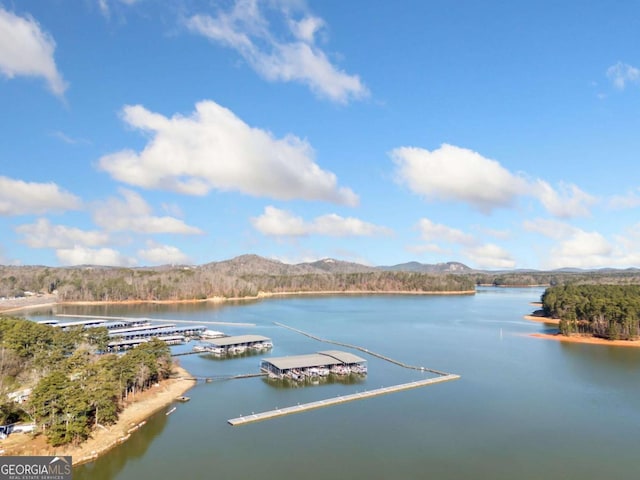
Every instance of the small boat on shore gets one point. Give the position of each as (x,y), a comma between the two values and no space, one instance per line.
(182,398)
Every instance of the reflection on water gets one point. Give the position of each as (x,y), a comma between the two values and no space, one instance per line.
(108,467)
(524,408)
(351,379)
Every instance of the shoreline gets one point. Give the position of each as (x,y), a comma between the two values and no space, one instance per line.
(102,440)
(584,339)
(542,319)
(587,340)
(221,300)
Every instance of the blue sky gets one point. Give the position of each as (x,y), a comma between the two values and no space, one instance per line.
(498,134)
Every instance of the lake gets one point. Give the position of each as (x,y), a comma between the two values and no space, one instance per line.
(524,408)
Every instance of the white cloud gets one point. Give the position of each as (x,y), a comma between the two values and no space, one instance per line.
(276,222)
(569,202)
(43,234)
(437,232)
(337,226)
(306,28)
(583,244)
(550,228)
(103,5)
(88,256)
(134,214)
(69,140)
(22,198)
(622,73)
(583,250)
(245,29)
(499,234)
(452,173)
(630,200)
(215,149)
(156,254)
(577,248)
(25,49)
(490,256)
(426,248)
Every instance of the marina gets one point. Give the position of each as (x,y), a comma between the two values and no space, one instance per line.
(320,364)
(279,412)
(232,345)
(517,398)
(148,319)
(131,332)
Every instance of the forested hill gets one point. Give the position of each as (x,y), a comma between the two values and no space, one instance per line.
(243,276)
(607,311)
(247,275)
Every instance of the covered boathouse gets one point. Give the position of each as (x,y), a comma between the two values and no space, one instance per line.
(320,363)
(237,344)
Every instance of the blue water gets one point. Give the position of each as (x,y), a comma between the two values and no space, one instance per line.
(525,408)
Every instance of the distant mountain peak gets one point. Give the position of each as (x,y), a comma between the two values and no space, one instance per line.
(445,267)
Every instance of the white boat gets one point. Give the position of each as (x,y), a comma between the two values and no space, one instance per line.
(212,334)
(359,369)
(340,370)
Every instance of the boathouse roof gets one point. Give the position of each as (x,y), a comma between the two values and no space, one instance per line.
(320,359)
(236,340)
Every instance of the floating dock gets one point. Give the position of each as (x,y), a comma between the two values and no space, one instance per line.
(298,367)
(234,344)
(111,317)
(257,417)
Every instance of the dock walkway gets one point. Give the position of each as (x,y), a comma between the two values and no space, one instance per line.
(279,412)
(362,349)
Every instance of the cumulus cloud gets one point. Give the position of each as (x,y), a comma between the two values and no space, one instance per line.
(426,248)
(133,214)
(43,234)
(442,239)
(27,50)
(630,200)
(22,198)
(452,173)
(490,256)
(622,74)
(437,232)
(457,174)
(215,149)
(156,254)
(582,250)
(296,58)
(549,228)
(80,255)
(277,222)
(578,248)
(569,202)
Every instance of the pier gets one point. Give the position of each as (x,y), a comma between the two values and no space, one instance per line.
(362,349)
(279,412)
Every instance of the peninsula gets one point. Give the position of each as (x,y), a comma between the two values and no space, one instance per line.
(595,314)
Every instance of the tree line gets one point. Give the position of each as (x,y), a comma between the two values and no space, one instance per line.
(182,283)
(74,388)
(606,311)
